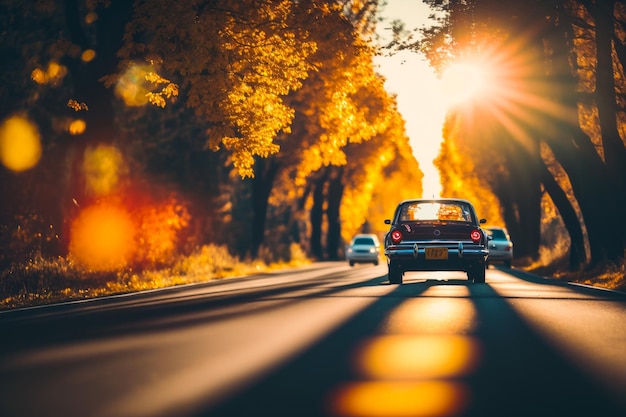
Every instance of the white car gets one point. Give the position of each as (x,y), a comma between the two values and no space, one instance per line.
(364,248)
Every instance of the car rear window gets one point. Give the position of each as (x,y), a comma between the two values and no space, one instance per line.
(435,211)
(364,241)
(498,234)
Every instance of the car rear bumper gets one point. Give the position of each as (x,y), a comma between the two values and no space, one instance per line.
(460,256)
(499,256)
(362,257)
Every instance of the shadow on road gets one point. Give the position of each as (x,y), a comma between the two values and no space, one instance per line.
(430,348)
(426,348)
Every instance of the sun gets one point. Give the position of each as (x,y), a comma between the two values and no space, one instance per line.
(461,82)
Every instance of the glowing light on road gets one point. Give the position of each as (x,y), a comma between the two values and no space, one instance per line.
(415,368)
(434,315)
(20,144)
(428,356)
(400,399)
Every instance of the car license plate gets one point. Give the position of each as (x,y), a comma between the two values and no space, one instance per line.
(436,253)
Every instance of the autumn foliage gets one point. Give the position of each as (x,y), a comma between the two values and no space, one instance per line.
(160,129)
(544,142)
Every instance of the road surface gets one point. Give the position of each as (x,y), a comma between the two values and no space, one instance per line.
(326,340)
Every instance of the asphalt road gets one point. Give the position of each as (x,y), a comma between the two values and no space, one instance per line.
(327,340)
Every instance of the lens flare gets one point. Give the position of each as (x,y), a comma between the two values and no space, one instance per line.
(20,144)
(463,81)
(102,237)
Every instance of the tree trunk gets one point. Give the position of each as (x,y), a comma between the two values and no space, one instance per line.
(606,100)
(614,150)
(264,174)
(519,193)
(577,253)
(335,193)
(317,215)
(101,126)
(590,179)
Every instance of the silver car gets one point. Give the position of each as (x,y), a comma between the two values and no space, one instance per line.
(500,246)
(364,248)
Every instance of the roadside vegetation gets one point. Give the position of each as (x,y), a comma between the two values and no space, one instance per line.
(610,276)
(42,281)
(142,142)
(539,144)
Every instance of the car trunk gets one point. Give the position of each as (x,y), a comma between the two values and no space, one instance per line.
(436,231)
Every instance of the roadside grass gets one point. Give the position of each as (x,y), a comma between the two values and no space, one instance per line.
(611,276)
(45,281)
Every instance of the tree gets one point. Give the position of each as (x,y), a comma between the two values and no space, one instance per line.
(277,89)
(234,61)
(541,69)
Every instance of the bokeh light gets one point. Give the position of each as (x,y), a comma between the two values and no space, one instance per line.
(88,55)
(102,237)
(53,74)
(20,144)
(160,226)
(77,127)
(132,86)
(103,167)
(91,17)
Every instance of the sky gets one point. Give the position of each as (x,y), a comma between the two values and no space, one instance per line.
(418,90)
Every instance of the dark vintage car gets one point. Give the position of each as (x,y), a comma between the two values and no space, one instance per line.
(441,234)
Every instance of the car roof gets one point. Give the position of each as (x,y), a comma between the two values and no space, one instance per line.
(436,200)
(365,235)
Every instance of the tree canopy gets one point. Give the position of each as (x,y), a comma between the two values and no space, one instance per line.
(187,123)
(549,130)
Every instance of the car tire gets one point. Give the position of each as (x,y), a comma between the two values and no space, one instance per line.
(478,274)
(351,263)
(395,274)
(375,263)
(507,263)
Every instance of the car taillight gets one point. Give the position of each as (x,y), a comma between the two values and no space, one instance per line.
(476,236)
(396,236)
